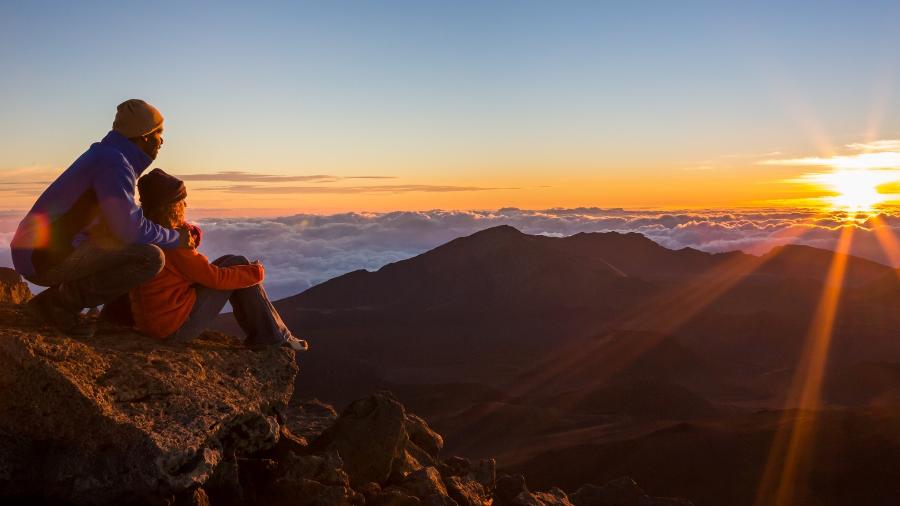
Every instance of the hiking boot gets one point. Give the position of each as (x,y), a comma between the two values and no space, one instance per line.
(296,344)
(46,309)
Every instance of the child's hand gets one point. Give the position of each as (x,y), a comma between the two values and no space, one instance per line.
(186,238)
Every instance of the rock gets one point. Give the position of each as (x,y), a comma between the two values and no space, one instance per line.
(372,437)
(199,498)
(124,418)
(462,484)
(621,492)
(466,491)
(423,483)
(422,436)
(486,473)
(287,443)
(512,491)
(309,417)
(369,490)
(553,497)
(312,480)
(455,466)
(508,488)
(195,497)
(12,289)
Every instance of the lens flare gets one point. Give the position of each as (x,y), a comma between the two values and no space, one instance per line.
(856,189)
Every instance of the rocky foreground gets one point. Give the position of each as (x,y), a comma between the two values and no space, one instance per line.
(124,419)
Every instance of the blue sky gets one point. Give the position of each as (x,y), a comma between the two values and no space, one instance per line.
(543,103)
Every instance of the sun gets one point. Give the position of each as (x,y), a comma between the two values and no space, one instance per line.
(856,189)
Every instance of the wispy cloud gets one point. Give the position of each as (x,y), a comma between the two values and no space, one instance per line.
(876,155)
(882,145)
(727,161)
(870,161)
(407,188)
(252,177)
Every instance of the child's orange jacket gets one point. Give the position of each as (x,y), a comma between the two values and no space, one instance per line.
(161,305)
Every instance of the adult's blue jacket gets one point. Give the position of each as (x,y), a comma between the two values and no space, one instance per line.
(95,191)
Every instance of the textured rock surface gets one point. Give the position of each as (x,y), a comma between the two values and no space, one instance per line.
(12,289)
(123,416)
(423,483)
(309,417)
(373,437)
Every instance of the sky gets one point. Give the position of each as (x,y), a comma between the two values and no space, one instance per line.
(332,107)
(324,137)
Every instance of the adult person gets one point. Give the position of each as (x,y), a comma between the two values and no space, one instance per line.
(183,299)
(85,238)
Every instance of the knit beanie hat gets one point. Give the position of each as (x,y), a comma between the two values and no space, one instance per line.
(159,188)
(135,118)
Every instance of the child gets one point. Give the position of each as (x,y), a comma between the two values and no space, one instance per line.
(184,298)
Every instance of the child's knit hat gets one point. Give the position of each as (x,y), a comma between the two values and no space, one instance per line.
(159,188)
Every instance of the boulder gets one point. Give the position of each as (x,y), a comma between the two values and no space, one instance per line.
(512,491)
(485,472)
(464,482)
(12,289)
(309,417)
(422,436)
(466,491)
(423,483)
(552,497)
(312,480)
(124,418)
(372,436)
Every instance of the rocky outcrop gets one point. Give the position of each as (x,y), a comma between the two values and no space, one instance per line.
(378,440)
(512,491)
(12,289)
(124,419)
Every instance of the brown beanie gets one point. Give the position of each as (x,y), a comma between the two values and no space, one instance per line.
(135,118)
(160,188)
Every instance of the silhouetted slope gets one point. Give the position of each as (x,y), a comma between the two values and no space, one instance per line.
(863,384)
(636,255)
(798,261)
(721,462)
(498,269)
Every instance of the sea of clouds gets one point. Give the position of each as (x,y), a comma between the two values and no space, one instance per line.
(302,250)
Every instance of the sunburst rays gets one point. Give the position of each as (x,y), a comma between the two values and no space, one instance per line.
(783,477)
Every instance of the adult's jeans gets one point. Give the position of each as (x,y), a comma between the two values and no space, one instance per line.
(253,311)
(97,273)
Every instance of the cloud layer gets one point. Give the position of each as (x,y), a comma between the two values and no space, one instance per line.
(303,250)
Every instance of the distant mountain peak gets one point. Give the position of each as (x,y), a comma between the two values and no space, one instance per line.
(499,230)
